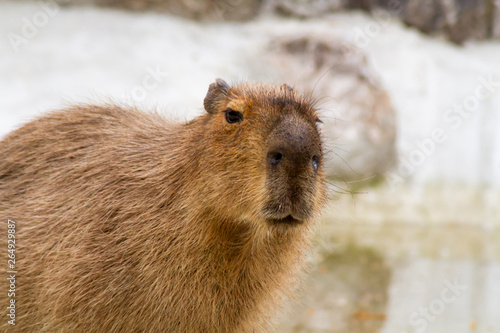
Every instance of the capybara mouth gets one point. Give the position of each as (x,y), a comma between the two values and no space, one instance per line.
(286,212)
(289,219)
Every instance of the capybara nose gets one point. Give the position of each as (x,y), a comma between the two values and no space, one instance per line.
(294,147)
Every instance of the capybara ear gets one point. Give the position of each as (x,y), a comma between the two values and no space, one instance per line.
(217,92)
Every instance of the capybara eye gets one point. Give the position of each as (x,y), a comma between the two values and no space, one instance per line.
(315,162)
(233,116)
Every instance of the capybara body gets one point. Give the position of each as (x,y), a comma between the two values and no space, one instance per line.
(127,222)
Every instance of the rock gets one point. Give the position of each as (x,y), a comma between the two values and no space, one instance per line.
(496,20)
(205,10)
(358,120)
(456,20)
(302,8)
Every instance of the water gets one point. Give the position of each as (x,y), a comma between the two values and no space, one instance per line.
(378,272)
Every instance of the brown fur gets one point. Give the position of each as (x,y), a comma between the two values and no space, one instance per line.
(127,222)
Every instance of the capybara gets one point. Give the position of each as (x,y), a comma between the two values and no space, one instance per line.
(128,222)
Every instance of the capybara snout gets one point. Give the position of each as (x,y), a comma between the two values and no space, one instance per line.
(294,159)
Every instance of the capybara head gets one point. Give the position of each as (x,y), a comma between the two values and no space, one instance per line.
(265,146)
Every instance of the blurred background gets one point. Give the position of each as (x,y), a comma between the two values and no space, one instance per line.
(409,93)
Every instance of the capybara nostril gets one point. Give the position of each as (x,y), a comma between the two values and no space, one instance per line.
(274,158)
